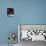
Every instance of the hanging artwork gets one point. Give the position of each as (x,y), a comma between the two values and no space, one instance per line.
(10,11)
(11,37)
(32,32)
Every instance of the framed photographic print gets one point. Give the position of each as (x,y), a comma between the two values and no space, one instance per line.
(33,32)
(10,11)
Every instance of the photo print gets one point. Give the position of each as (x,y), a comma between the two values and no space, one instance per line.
(10,11)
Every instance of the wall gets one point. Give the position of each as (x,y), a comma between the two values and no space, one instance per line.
(26,12)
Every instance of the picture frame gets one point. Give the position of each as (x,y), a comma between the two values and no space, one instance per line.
(10,11)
